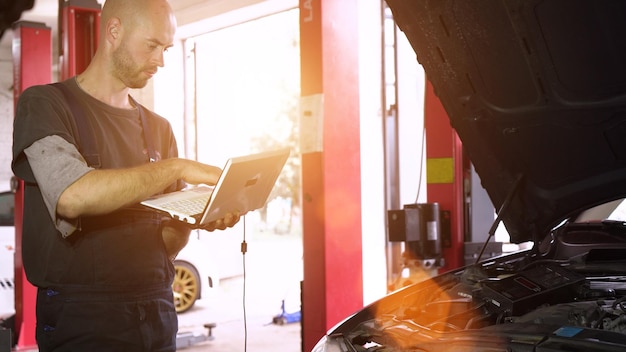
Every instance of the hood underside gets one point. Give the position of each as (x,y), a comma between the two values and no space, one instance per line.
(536,90)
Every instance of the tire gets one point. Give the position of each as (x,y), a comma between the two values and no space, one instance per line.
(186,286)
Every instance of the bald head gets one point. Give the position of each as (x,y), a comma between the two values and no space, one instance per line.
(134,35)
(137,13)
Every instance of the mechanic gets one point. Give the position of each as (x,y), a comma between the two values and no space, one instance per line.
(102,263)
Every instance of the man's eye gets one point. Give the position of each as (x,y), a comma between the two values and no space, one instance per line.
(152,46)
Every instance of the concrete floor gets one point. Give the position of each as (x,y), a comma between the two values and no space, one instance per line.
(273,273)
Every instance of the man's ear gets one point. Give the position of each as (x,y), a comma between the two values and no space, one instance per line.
(113,30)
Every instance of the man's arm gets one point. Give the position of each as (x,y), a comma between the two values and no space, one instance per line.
(103,191)
(64,173)
(71,189)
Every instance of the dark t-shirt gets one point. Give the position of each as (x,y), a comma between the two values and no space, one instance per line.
(122,249)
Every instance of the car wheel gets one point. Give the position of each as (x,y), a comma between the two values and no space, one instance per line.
(186,286)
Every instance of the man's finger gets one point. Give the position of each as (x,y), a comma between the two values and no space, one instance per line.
(219,224)
(231,219)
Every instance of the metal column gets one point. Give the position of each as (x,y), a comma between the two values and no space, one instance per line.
(79,23)
(445,173)
(389,95)
(32,65)
(330,143)
(79,31)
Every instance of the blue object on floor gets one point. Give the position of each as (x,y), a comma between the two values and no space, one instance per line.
(286,318)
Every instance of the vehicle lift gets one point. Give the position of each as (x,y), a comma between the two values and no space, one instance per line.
(79,31)
(32,65)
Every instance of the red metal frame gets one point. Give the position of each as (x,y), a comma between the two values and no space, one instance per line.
(443,143)
(331,188)
(32,56)
(79,32)
(32,65)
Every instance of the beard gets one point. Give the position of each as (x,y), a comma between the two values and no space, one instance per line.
(127,70)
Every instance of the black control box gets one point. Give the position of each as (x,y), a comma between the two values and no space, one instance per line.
(537,286)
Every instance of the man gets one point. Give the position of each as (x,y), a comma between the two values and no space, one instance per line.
(101,262)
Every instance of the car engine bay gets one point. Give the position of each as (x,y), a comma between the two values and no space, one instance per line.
(544,299)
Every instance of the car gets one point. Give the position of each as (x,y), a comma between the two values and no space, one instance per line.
(195,273)
(208,258)
(7,251)
(536,91)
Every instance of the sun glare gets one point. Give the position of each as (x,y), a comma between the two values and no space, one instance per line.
(247,85)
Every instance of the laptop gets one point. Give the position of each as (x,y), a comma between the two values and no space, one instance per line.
(244,185)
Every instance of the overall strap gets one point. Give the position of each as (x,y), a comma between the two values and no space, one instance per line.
(86,139)
(146,132)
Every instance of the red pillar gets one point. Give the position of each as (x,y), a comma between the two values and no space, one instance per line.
(32,61)
(331,189)
(445,175)
(32,65)
(79,32)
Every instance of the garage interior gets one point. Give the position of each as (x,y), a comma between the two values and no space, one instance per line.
(373,156)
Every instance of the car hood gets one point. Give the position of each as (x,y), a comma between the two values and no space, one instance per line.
(536,91)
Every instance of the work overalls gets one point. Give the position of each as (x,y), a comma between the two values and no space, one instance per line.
(119,298)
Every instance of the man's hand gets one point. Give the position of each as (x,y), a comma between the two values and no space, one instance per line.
(228,221)
(176,234)
(175,237)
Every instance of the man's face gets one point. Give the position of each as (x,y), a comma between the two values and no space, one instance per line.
(141,50)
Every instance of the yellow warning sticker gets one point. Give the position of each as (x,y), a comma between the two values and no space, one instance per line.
(439,170)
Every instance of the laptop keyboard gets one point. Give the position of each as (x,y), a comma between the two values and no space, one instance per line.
(193,206)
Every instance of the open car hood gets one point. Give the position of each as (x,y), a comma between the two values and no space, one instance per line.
(536,90)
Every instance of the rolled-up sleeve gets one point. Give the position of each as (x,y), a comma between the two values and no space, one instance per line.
(56,164)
